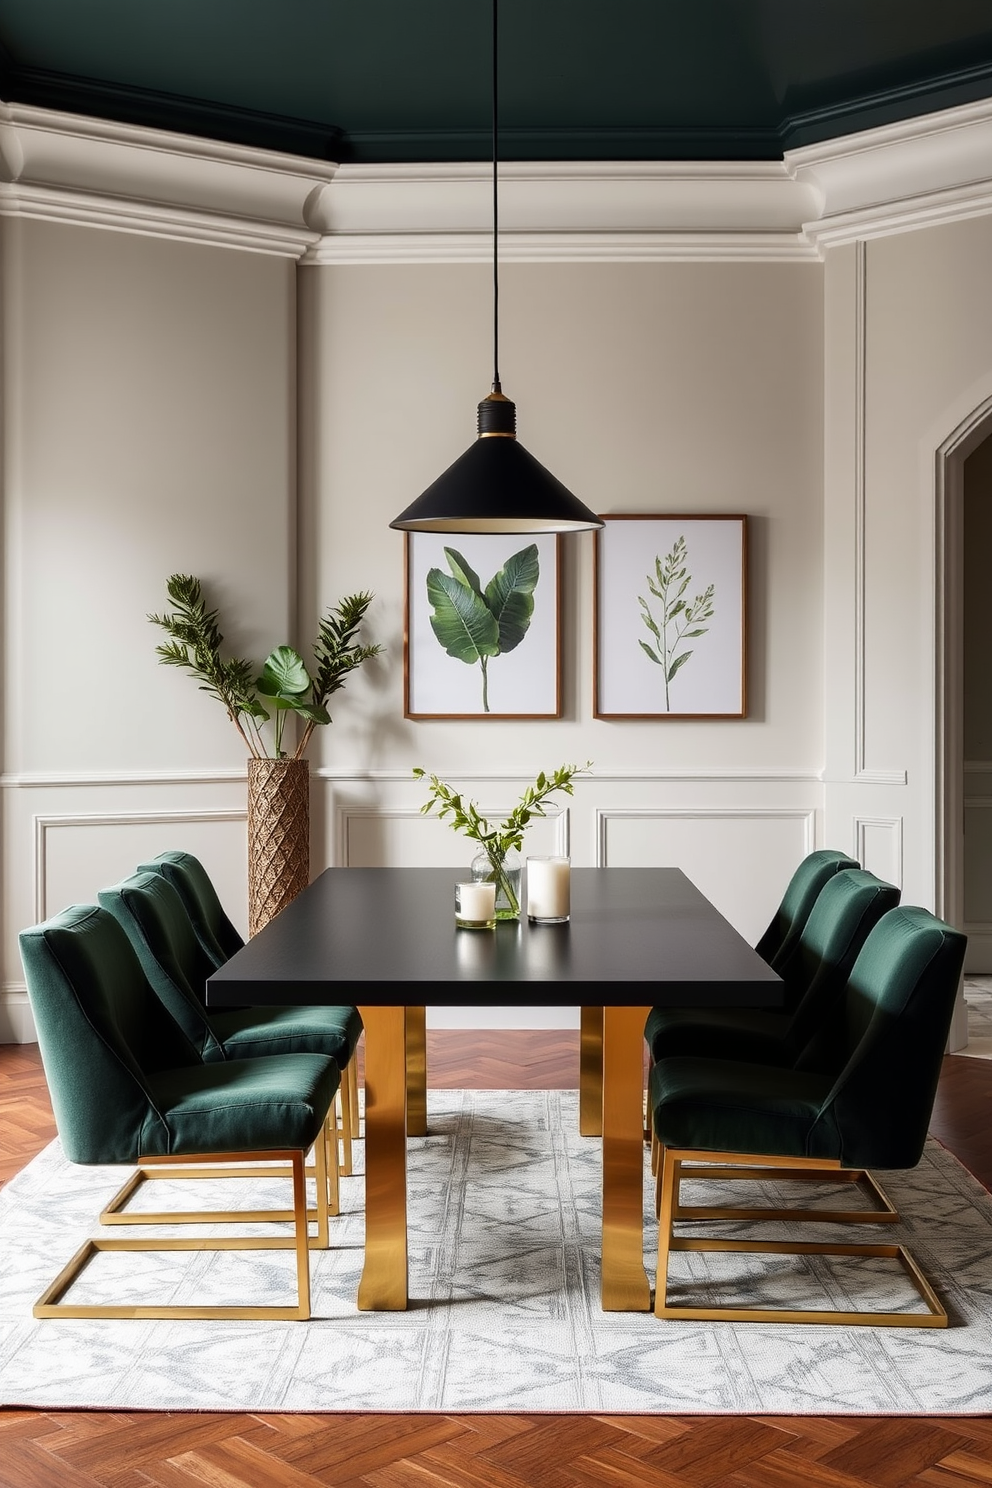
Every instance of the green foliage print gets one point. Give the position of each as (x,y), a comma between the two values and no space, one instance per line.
(680,618)
(474,624)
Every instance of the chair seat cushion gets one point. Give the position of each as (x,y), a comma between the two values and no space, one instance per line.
(242,1105)
(246,1033)
(719,1033)
(726,1105)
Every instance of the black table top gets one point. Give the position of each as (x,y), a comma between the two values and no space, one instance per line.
(388,935)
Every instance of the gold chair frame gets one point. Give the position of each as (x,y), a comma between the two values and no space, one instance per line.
(880,1208)
(50,1305)
(115,1212)
(677,1163)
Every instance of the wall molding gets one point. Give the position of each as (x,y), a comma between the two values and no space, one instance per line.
(44,824)
(860,564)
(563,246)
(16,1020)
(757,776)
(893,824)
(346,814)
(920,172)
(863,775)
(73,779)
(62,167)
(604,815)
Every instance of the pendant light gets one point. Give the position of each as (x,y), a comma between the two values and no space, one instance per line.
(496,486)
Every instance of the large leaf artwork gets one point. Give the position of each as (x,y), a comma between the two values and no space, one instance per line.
(474,624)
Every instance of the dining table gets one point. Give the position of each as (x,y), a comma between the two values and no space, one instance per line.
(385,940)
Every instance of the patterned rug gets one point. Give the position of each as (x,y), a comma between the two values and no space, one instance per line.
(504,1279)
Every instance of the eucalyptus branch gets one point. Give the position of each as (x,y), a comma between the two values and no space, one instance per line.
(509,833)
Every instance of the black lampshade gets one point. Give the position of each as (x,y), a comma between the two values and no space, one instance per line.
(497,486)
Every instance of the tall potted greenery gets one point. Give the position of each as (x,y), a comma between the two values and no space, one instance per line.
(278,781)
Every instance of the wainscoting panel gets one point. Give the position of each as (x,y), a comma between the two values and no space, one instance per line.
(740,858)
(375,837)
(878,846)
(65,840)
(75,852)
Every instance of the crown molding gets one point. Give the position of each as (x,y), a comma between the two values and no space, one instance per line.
(930,170)
(561,247)
(562,211)
(67,168)
(131,178)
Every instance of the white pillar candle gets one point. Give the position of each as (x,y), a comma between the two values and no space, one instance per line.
(475,904)
(548,884)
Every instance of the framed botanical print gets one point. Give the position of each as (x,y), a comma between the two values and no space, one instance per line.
(483,621)
(670,600)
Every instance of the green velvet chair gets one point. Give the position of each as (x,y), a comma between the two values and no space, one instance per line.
(847,908)
(815,972)
(155,920)
(779,946)
(217,936)
(859,1095)
(218,940)
(803,890)
(127,1086)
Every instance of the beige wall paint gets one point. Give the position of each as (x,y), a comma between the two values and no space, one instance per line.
(150,429)
(655,388)
(908,357)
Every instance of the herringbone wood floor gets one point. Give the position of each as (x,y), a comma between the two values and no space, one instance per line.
(82,1449)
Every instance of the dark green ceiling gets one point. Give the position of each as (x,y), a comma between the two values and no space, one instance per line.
(388,80)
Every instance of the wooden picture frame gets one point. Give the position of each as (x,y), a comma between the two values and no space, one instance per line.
(522,679)
(670,603)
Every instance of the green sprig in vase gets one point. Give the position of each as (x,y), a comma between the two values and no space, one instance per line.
(498,860)
(504,869)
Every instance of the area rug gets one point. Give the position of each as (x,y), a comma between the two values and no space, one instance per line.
(504,1280)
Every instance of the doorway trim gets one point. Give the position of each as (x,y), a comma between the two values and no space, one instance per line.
(948,743)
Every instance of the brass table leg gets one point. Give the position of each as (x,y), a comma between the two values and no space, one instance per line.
(383,1286)
(416,1071)
(625,1283)
(591,1072)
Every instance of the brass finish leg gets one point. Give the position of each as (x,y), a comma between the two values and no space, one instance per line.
(416,1071)
(353,1096)
(591,1072)
(347,1128)
(625,1283)
(332,1184)
(384,1279)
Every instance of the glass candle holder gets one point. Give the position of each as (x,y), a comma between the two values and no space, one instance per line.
(548,891)
(475,906)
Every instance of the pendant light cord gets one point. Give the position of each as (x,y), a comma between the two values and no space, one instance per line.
(496,382)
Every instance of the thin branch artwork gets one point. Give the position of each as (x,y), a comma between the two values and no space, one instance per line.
(670,643)
(680,617)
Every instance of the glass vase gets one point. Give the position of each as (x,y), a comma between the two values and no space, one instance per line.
(502,869)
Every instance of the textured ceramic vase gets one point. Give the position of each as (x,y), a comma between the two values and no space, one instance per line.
(278,836)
